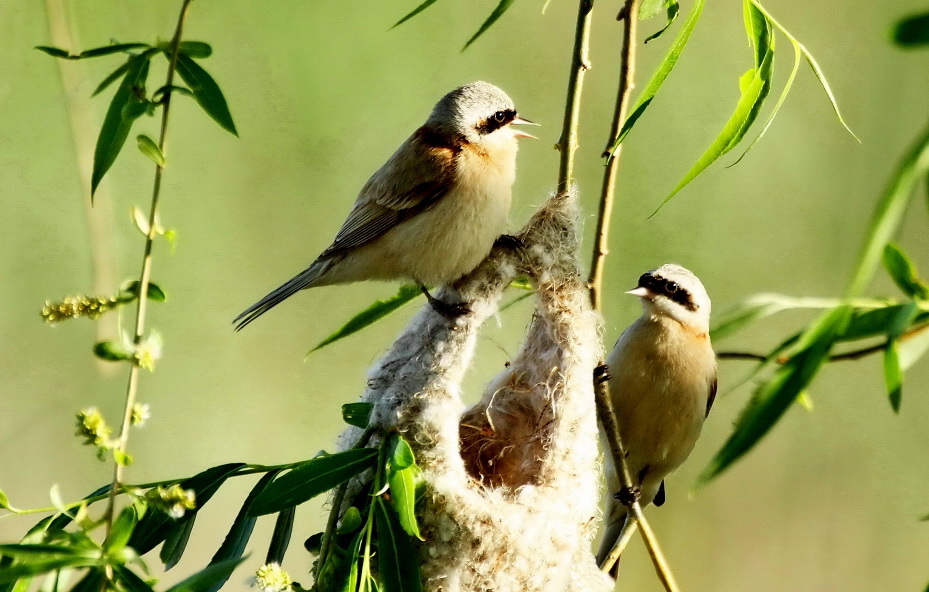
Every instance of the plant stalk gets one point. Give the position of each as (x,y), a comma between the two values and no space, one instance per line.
(146,273)
(580,63)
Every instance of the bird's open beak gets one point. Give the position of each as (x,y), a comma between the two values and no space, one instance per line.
(519,133)
(640,292)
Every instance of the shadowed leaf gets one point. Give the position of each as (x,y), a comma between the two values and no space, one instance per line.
(176,542)
(370,315)
(398,564)
(206,92)
(54,51)
(129,580)
(205,579)
(115,75)
(195,49)
(110,49)
(903,272)
(280,538)
(912,31)
(414,12)
(501,8)
(673,9)
(357,414)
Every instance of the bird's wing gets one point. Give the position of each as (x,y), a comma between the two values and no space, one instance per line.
(712,396)
(418,174)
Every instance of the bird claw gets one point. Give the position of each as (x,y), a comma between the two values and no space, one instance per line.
(601,374)
(511,242)
(628,495)
(450,310)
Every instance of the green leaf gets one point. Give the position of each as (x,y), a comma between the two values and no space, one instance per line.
(5,503)
(357,414)
(760,306)
(111,49)
(155,527)
(913,346)
(354,553)
(912,31)
(403,484)
(311,478)
(400,455)
(754,87)
(370,315)
(351,520)
(903,272)
(206,91)
(893,374)
(820,76)
(415,11)
(205,579)
(398,566)
(121,458)
(92,582)
(501,8)
(54,51)
(115,128)
(233,546)
(672,10)
(14,572)
(195,49)
(122,529)
(660,75)
(149,148)
(650,8)
(176,542)
(112,351)
(130,290)
(129,580)
(889,213)
(773,398)
(34,551)
(280,538)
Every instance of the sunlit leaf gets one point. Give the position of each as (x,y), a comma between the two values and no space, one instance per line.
(149,148)
(357,414)
(354,552)
(893,374)
(122,529)
(400,455)
(18,570)
(774,397)
(660,75)
(115,128)
(501,8)
(903,272)
(280,538)
(206,91)
(370,315)
(5,502)
(672,10)
(912,31)
(205,579)
(398,564)
(112,351)
(415,11)
(309,479)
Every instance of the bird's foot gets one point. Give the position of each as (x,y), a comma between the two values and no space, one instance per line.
(449,310)
(511,242)
(601,374)
(628,495)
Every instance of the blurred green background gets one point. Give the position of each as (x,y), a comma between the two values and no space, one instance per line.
(322,93)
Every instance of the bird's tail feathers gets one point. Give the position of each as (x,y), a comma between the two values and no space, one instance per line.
(305,279)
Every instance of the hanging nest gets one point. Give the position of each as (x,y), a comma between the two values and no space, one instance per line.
(513,483)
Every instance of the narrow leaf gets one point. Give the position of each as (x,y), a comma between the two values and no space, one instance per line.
(121,530)
(115,128)
(903,272)
(54,51)
(398,566)
(195,49)
(415,11)
(280,538)
(357,414)
(673,9)
(156,525)
(33,551)
(660,75)
(893,374)
(913,346)
(118,72)
(400,455)
(204,580)
(176,542)
(206,91)
(403,494)
(129,580)
(773,398)
(371,315)
(11,573)
(111,49)
(149,148)
(354,553)
(233,546)
(501,8)
(311,478)
(5,502)
(112,351)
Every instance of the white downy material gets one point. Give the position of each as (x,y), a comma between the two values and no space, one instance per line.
(512,483)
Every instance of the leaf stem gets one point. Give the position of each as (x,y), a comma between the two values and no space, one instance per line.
(629,16)
(580,63)
(146,273)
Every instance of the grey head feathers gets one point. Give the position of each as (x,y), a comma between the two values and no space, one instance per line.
(472,111)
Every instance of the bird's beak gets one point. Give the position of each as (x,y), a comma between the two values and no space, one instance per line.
(519,133)
(640,292)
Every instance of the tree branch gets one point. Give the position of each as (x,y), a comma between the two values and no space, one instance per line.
(580,63)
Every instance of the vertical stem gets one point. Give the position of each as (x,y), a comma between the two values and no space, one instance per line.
(629,16)
(580,63)
(146,274)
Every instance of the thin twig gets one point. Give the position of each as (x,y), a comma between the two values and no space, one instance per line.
(629,15)
(146,273)
(617,451)
(629,528)
(845,356)
(580,63)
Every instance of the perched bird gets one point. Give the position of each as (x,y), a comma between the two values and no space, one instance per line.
(662,385)
(434,210)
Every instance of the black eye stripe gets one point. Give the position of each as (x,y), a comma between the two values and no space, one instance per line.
(667,288)
(496,121)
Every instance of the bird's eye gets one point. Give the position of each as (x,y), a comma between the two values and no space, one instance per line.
(672,287)
(500,116)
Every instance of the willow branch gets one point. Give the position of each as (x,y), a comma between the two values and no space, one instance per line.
(146,272)
(629,528)
(607,194)
(580,63)
(845,356)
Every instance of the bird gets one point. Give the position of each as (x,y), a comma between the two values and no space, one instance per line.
(662,384)
(434,210)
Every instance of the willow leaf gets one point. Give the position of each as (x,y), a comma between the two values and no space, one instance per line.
(501,8)
(370,315)
(415,11)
